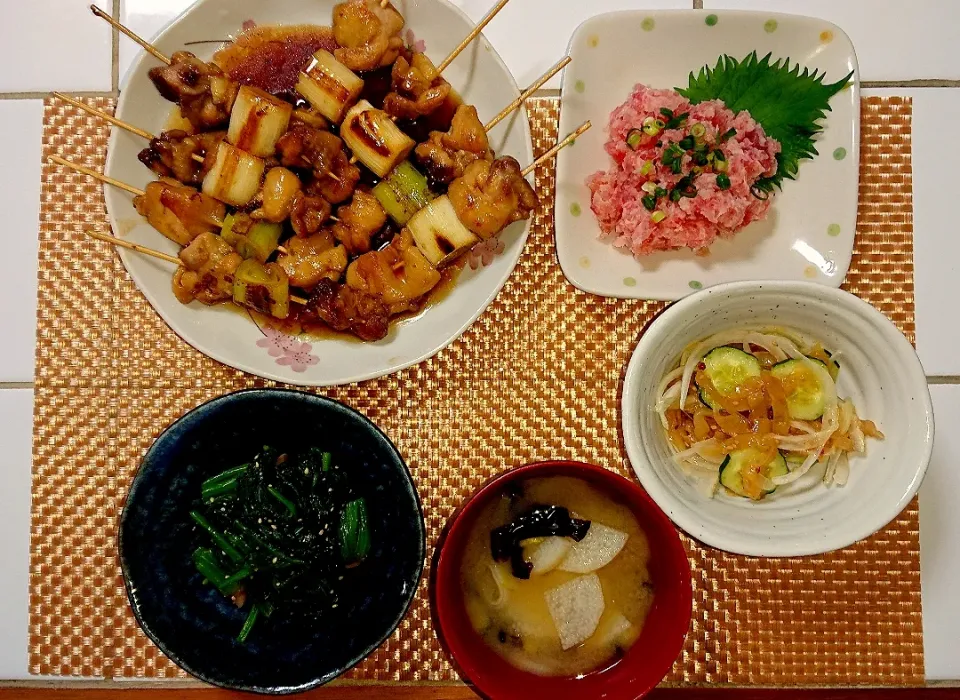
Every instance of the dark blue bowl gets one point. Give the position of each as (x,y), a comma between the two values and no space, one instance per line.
(192,623)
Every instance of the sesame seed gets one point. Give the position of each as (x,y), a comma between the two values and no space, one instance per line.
(274,560)
(259,521)
(306,470)
(273,526)
(334,605)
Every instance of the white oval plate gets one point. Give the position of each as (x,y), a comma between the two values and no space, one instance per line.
(232,338)
(879,370)
(660,49)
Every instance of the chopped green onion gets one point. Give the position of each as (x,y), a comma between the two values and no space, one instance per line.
(718,155)
(676,168)
(676,195)
(686,143)
(729,134)
(634,138)
(283,500)
(677,121)
(647,168)
(658,216)
(649,202)
(699,159)
(649,187)
(651,127)
(668,113)
(723,181)
(660,124)
(720,166)
(660,192)
(698,130)
(249,623)
(216,536)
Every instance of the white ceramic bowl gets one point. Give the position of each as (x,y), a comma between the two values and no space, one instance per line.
(478,74)
(808,233)
(879,371)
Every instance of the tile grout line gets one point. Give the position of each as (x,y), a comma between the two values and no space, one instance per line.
(115,49)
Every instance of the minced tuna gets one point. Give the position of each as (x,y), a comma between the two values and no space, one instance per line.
(682,174)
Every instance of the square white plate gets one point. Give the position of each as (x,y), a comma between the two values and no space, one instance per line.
(807,234)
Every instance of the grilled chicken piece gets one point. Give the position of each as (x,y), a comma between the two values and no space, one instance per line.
(349,310)
(397,275)
(171,154)
(368,35)
(304,146)
(207,269)
(446,154)
(312,259)
(417,88)
(278,196)
(204,93)
(339,188)
(492,195)
(178,211)
(308,214)
(359,222)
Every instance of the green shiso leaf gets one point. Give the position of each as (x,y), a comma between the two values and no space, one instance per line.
(788,104)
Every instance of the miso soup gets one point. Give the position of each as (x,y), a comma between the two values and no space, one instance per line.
(555,576)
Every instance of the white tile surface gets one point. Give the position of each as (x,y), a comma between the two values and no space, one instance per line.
(940,541)
(54,45)
(16,407)
(146,18)
(895,40)
(532,35)
(21,123)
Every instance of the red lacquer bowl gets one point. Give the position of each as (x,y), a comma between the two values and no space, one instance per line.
(645,663)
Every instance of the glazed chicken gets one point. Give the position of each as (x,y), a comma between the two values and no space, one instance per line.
(492,195)
(308,214)
(304,146)
(368,35)
(397,275)
(359,222)
(446,154)
(207,270)
(309,260)
(349,310)
(172,154)
(204,93)
(279,194)
(337,185)
(178,211)
(417,88)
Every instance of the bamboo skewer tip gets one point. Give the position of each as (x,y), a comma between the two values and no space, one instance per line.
(472,35)
(147,46)
(539,83)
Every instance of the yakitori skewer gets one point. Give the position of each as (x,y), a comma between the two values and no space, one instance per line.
(472,35)
(540,82)
(556,149)
(144,250)
(96,176)
(147,46)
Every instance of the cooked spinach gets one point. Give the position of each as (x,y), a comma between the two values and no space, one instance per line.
(280,534)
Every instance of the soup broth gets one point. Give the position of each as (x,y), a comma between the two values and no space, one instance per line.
(512,614)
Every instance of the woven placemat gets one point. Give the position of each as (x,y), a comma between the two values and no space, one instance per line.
(536,377)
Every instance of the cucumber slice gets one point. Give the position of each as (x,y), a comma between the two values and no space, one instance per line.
(806,400)
(728,368)
(730,470)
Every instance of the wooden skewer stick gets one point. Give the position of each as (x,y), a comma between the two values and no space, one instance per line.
(541,81)
(96,176)
(147,46)
(134,246)
(472,35)
(156,254)
(556,149)
(110,119)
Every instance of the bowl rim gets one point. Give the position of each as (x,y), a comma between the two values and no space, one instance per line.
(196,414)
(634,379)
(444,559)
(273,372)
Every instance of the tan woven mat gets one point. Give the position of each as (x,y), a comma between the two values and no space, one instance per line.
(535,377)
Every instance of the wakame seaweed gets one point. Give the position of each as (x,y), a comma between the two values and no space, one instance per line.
(280,535)
(538,521)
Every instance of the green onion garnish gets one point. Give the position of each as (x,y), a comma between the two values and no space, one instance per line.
(729,134)
(668,113)
(698,130)
(634,137)
(686,143)
(649,202)
(658,216)
(647,168)
(723,181)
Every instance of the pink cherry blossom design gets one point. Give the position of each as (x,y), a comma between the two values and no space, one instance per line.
(414,44)
(299,358)
(485,252)
(277,343)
